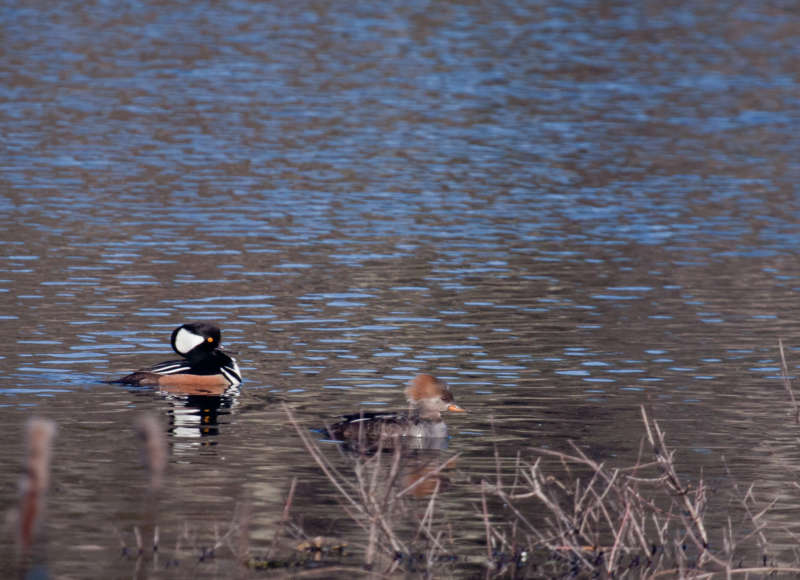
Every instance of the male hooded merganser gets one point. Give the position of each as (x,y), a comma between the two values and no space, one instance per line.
(204,363)
(427,398)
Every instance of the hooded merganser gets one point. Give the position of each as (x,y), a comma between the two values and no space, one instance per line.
(204,363)
(427,398)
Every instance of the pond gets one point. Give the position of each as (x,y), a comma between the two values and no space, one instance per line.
(564,210)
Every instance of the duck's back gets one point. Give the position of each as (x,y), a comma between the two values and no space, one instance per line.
(373,426)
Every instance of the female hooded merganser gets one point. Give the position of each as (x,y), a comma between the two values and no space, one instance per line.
(204,363)
(427,398)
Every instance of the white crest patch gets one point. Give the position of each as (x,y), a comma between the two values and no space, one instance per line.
(186,341)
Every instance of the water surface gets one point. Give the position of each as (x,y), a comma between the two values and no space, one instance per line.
(566,211)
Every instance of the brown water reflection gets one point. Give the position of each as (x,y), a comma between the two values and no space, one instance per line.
(563,211)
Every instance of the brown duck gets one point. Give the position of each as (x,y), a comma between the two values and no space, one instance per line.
(427,398)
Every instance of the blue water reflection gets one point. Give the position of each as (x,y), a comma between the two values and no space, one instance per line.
(563,210)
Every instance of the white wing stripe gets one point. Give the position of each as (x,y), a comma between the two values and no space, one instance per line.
(230,374)
(170,369)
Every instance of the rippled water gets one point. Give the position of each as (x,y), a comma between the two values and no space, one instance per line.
(566,211)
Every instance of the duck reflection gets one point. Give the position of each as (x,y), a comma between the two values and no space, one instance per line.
(194,412)
(197,412)
(396,469)
(424,473)
(414,466)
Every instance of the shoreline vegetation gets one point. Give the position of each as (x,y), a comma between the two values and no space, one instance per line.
(591,519)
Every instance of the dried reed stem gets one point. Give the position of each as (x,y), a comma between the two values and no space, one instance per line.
(154,448)
(34,484)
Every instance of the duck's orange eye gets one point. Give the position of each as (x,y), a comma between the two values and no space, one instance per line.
(210,339)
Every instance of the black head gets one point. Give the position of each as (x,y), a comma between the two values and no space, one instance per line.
(195,338)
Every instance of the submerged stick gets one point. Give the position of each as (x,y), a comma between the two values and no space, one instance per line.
(487,525)
(36,480)
(330,472)
(284,518)
(787,383)
(361,503)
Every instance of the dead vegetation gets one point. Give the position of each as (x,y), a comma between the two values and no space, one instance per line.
(582,519)
(640,521)
(555,515)
(375,496)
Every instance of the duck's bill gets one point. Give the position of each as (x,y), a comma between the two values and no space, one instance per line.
(453,408)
